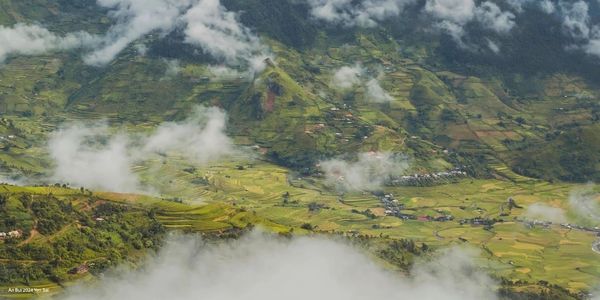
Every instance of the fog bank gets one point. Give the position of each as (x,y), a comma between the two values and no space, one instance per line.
(92,156)
(368,172)
(263,267)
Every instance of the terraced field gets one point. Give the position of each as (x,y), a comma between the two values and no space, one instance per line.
(511,248)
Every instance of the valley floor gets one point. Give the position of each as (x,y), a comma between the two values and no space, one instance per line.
(470,212)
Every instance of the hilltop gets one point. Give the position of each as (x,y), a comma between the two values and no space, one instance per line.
(493,116)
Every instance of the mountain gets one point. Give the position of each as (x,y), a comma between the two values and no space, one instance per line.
(321,109)
(478,104)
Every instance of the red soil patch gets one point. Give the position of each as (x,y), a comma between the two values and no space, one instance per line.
(270,103)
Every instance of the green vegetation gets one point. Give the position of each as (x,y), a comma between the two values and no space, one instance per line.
(522,125)
(61,235)
(270,197)
(286,202)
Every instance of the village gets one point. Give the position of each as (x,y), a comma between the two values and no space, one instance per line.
(548,224)
(428,179)
(394,208)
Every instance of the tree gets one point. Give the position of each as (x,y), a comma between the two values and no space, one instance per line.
(307,226)
(3,201)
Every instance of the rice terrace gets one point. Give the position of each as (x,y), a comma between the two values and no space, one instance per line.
(299,149)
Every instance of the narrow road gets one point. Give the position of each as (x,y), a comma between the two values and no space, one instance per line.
(32,234)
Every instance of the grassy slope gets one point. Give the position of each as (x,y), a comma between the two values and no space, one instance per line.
(253,196)
(60,232)
(511,249)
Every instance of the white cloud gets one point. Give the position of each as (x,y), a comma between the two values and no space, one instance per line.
(369,172)
(134,19)
(517,5)
(12,178)
(218,32)
(586,203)
(200,138)
(492,17)
(25,39)
(577,23)
(547,6)
(206,24)
(347,77)
(172,67)
(141,49)
(225,73)
(576,18)
(453,15)
(268,268)
(541,211)
(593,47)
(456,31)
(363,13)
(375,93)
(456,11)
(92,157)
(89,156)
(493,46)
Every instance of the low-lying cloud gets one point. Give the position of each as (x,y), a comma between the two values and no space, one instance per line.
(363,13)
(205,23)
(133,20)
(577,23)
(11,178)
(347,77)
(217,31)
(172,68)
(455,11)
(369,172)
(544,212)
(268,268)
(94,157)
(89,156)
(585,202)
(200,138)
(375,93)
(31,39)
(454,15)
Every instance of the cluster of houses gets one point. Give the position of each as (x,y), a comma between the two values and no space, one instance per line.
(583,228)
(432,178)
(391,205)
(15,234)
(547,224)
(479,221)
(393,208)
(7,137)
(535,223)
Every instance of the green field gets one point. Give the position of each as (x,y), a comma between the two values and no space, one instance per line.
(512,249)
(234,197)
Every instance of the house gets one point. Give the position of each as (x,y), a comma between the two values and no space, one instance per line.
(14,234)
(81,269)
